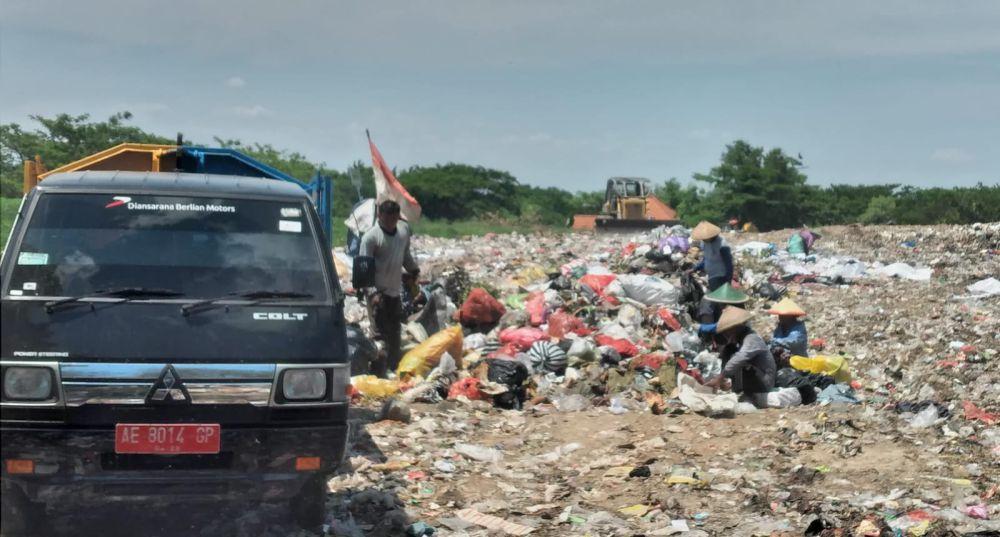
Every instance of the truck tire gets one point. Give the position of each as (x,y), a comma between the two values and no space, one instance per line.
(308,507)
(19,517)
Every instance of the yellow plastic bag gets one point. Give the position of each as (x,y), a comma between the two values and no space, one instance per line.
(420,360)
(529,274)
(834,365)
(372,386)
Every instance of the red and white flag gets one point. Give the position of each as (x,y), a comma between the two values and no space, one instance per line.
(387,187)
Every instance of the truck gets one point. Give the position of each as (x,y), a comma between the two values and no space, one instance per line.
(169,336)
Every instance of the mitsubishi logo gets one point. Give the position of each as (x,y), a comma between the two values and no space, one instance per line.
(168,389)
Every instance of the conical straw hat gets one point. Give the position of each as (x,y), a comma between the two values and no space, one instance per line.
(787,307)
(727,295)
(705,231)
(731,317)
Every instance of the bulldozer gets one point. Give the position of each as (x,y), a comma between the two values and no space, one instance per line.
(629,204)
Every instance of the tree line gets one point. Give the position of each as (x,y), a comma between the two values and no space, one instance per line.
(766,187)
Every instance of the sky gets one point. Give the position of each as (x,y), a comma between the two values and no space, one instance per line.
(559,93)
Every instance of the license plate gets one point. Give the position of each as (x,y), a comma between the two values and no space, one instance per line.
(167,438)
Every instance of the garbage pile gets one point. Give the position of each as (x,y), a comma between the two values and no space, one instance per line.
(523,333)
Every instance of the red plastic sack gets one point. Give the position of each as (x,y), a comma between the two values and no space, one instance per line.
(598,282)
(535,304)
(624,347)
(668,319)
(972,412)
(562,323)
(521,338)
(480,308)
(468,387)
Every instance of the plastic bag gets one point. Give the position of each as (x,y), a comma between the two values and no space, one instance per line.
(598,283)
(649,290)
(833,365)
(925,418)
(480,309)
(535,304)
(581,351)
(372,386)
(796,245)
(703,400)
(361,350)
(547,356)
(624,347)
(630,317)
(419,361)
(512,374)
(562,323)
(668,319)
(521,338)
(784,398)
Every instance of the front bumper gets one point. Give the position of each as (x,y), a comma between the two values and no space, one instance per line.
(253,463)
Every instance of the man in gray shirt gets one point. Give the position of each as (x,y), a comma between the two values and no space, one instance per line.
(388,244)
(747,360)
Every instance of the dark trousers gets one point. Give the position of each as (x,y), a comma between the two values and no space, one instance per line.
(752,384)
(386,318)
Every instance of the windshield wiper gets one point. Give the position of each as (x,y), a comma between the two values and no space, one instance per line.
(124,293)
(253,296)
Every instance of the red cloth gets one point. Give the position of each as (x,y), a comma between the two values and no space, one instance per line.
(480,308)
(623,346)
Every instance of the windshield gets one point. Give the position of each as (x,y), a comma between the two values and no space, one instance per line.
(80,244)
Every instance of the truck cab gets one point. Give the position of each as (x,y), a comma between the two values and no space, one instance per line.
(169,336)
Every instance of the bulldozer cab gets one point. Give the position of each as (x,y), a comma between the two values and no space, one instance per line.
(629,204)
(625,197)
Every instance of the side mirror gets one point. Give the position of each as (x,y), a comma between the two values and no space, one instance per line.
(363,272)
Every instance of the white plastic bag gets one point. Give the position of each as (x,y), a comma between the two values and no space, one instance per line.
(649,290)
(784,398)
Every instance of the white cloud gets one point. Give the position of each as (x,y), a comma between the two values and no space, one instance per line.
(236,82)
(252,111)
(953,155)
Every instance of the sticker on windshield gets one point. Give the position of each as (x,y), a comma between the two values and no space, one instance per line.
(290,226)
(125,201)
(32,258)
(16,292)
(30,286)
(291,212)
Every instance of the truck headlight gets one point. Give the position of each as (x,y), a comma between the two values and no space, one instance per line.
(27,383)
(304,384)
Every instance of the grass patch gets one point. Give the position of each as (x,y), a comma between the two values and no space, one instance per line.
(8,210)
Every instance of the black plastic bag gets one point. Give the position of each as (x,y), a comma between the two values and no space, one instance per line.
(512,374)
